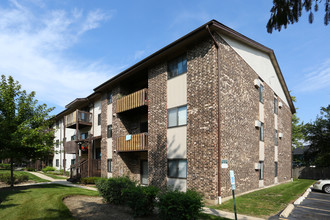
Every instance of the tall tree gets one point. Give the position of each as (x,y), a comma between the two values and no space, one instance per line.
(24,124)
(286,12)
(318,137)
(297,129)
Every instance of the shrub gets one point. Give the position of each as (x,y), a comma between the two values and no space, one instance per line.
(30,169)
(5,166)
(18,178)
(180,205)
(46,169)
(141,199)
(89,180)
(111,189)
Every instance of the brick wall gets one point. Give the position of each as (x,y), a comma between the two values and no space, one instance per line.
(157,125)
(239,108)
(202,115)
(104,124)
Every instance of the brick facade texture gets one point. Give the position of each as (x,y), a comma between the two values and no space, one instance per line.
(157,125)
(104,124)
(202,116)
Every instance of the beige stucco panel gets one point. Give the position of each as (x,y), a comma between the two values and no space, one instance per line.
(177,142)
(261,112)
(177,91)
(261,150)
(97,110)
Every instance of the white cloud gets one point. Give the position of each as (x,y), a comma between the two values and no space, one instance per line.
(317,78)
(33,48)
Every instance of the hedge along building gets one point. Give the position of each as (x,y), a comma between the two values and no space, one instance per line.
(210,100)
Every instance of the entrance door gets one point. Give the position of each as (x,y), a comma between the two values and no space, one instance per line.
(144,172)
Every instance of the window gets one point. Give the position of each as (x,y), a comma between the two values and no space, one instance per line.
(275,105)
(177,116)
(109,132)
(109,97)
(275,169)
(73,161)
(73,137)
(261,132)
(57,162)
(177,66)
(261,170)
(57,143)
(276,142)
(261,97)
(99,119)
(57,124)
(84,136)
(177,168)
(109,165)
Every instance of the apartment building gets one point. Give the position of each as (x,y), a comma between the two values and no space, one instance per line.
(212,101)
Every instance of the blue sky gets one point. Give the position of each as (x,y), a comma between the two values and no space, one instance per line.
(64,49)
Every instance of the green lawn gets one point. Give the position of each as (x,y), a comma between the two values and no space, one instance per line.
(38,202)
(31,176)
(267,202)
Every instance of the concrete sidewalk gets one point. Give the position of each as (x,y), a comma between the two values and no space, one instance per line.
(229,215)
(56,181)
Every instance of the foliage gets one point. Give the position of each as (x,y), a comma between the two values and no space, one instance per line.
(30,169)
(111,189)
(318,136)
(39,202)
(297,129)
(24,124)
(89,180)
(18,177)
(286,12)
(31,176)
(5,166)
(180,205)
(141,199)
(267,202)
(46,169)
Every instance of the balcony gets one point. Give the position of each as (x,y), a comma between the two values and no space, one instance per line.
(131,101)
(70,147)
(134,142)
(78,117)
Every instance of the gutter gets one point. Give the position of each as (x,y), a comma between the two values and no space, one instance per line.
(218,98)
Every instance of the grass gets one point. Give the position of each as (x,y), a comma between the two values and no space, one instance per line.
(204,216)
(38,202)
(267,202)
(31,176)
(55,176)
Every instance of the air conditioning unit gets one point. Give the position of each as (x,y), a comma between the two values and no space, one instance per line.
(257,166)
(280,104)
(257,123)
(280,135)
(257,83)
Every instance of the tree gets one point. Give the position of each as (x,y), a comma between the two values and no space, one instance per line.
(297,129)
(24,124)
(318,136)
(286,12)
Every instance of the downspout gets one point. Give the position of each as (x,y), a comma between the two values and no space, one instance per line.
(218,99)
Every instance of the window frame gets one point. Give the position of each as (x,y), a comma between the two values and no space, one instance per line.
(57,143)
(276,169)
(175,62)
(261,170)
(262,132)
(275,106)
(73,161)
(57,162)
(261,93)
(177,160)
(99,119)
(177,116)
(276,137)
(109,97)
(109,168)
(109,131)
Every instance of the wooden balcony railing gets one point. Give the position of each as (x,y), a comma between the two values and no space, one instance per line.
(131,101)
(70,147)
(134,142)
(78,116)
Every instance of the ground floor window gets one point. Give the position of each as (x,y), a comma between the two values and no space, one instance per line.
(73,161)
(109,165)
(57,162)
(261,170)
(177,168)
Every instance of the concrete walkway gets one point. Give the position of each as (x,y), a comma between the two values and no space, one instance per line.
(57,181)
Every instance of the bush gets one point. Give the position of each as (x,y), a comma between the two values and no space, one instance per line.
(30,169)
(180,205)
(89,180)
(111,189)
(5,166)
(141,199)
(18,178)
(46,169)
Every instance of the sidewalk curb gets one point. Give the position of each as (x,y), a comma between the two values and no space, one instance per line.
(287,211)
